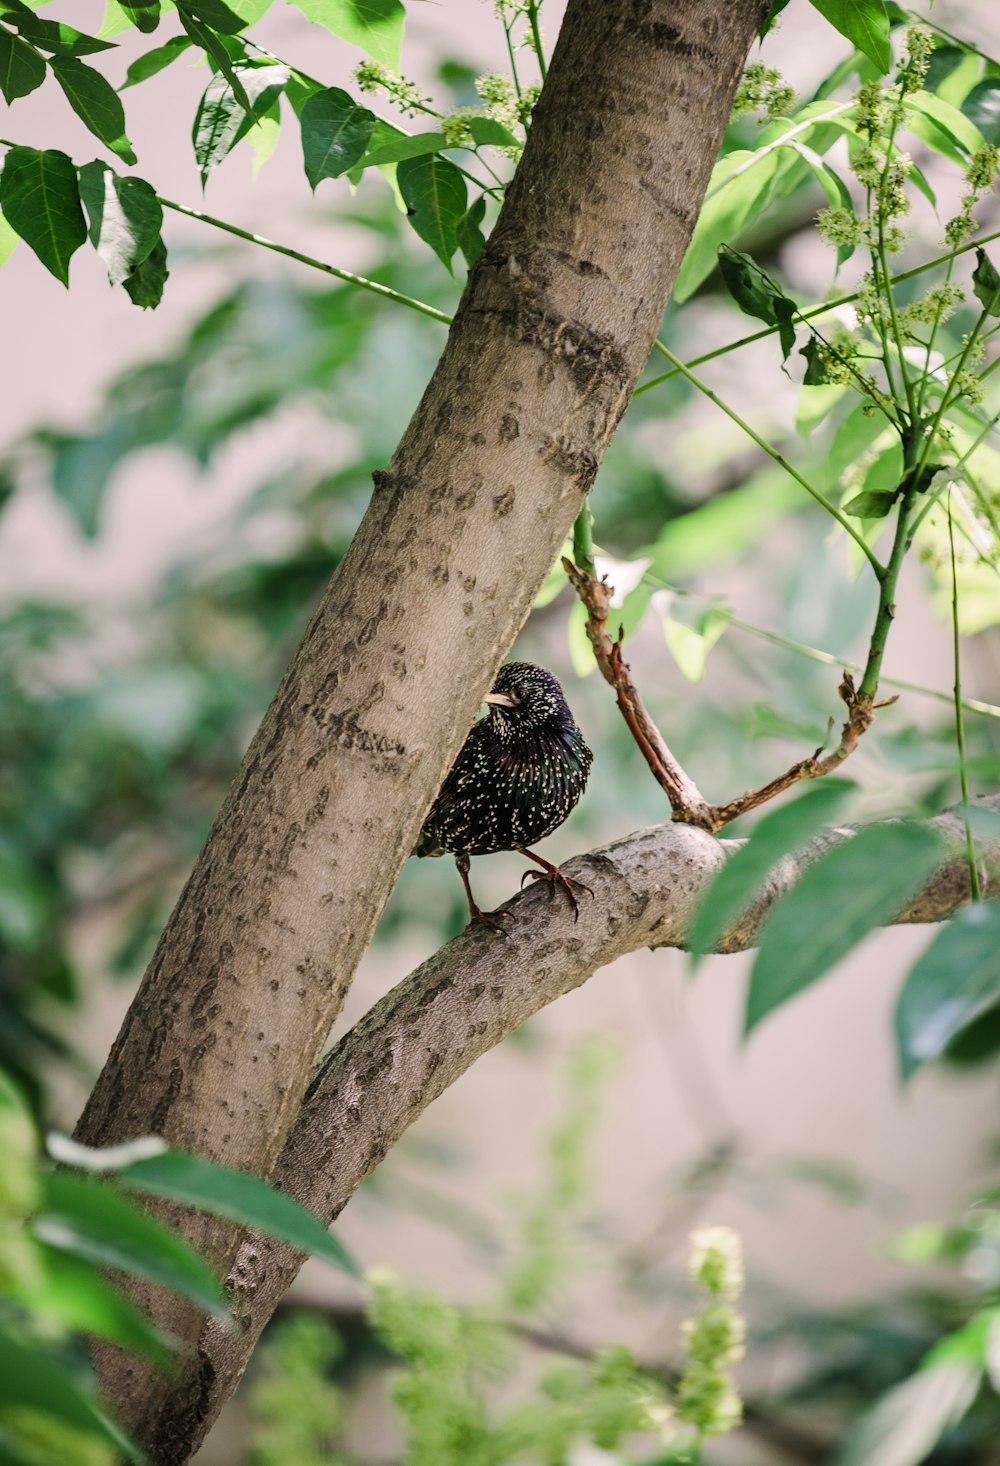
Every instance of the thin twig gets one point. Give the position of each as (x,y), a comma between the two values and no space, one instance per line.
(686,800)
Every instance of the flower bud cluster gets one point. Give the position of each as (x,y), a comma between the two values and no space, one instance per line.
(763,89)
(372,76)
(715,1338)
(979,176)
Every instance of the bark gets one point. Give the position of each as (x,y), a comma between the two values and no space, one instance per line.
(555,324)
(468,997)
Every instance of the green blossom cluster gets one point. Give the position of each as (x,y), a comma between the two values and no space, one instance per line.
(763,89)
(919,49)
(932,308)
(297,1411)
(979,176)
(373,76)
(715,1338)
(455,126)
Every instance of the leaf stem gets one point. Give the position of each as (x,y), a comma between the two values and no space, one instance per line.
(385,291)
(772,452)
(963,772)
(583,540)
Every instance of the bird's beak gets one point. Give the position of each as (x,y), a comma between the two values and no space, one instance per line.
(502,699)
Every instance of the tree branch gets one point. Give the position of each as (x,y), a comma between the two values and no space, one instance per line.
(467,998)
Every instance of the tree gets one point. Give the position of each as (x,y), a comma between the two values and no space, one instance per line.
(554,328)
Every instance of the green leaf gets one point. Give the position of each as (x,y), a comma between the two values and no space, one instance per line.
(144,286)
(95,102)
(471,241)
(21,67)
(955,981)
(817,372)
(205,37)
(950,132)
(375,26)
(871,505)
(865,23)
(222,118)
(77,1295)
(8,241)
(214,14)
(40,198)
(50,35)
(240,1197)
(986,283)
(435,196)
(144,14)
(30,1378)
(91,1219)
(488,133)
(389,145)
(859,884)
(757,295)
(982,108)
(906,1423)
(691,642)
(125,218)
(779,833)
(143,67)
(738,190)
(335,134)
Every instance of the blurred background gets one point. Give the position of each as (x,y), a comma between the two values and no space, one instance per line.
(177,487)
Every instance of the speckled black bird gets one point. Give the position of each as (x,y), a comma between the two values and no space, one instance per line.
(519,773)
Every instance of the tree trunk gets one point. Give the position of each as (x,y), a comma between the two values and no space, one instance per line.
(553,329)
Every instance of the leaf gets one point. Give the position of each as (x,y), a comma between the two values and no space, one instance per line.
(77,1295)
(734,197)
(374,26)
(144,287)
(21,67)
(488,133)
(865,23)
(950,132)
(91,1219)
(955,981)
(871,505)
(335,134)
(757,295)
(8,241)
(50,35)
(837,900)
(817,373)
(906,1423)
(205,37)
(779,833)
(223,119)
(986,284)
(143,67)
(237,1195)
(95,102)
(144,14)
(982,108)
(40,198)
(389,145)
(435,196)
(125,218)
(471,241)
(690,644)
(214,14)
(263,138)
(30,1378)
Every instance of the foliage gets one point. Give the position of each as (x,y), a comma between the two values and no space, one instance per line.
(134,747)
(60,1232)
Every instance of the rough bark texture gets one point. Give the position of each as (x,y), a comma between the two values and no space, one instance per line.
(553,329)
(467,998)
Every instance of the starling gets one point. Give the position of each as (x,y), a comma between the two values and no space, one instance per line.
(519,773)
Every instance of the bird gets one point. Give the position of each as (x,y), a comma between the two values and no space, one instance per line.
(518,775)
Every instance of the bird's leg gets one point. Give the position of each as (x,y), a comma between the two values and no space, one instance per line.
(494,920)
(556,878)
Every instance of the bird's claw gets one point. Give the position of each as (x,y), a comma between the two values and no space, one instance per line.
(555,877)
(492,920)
